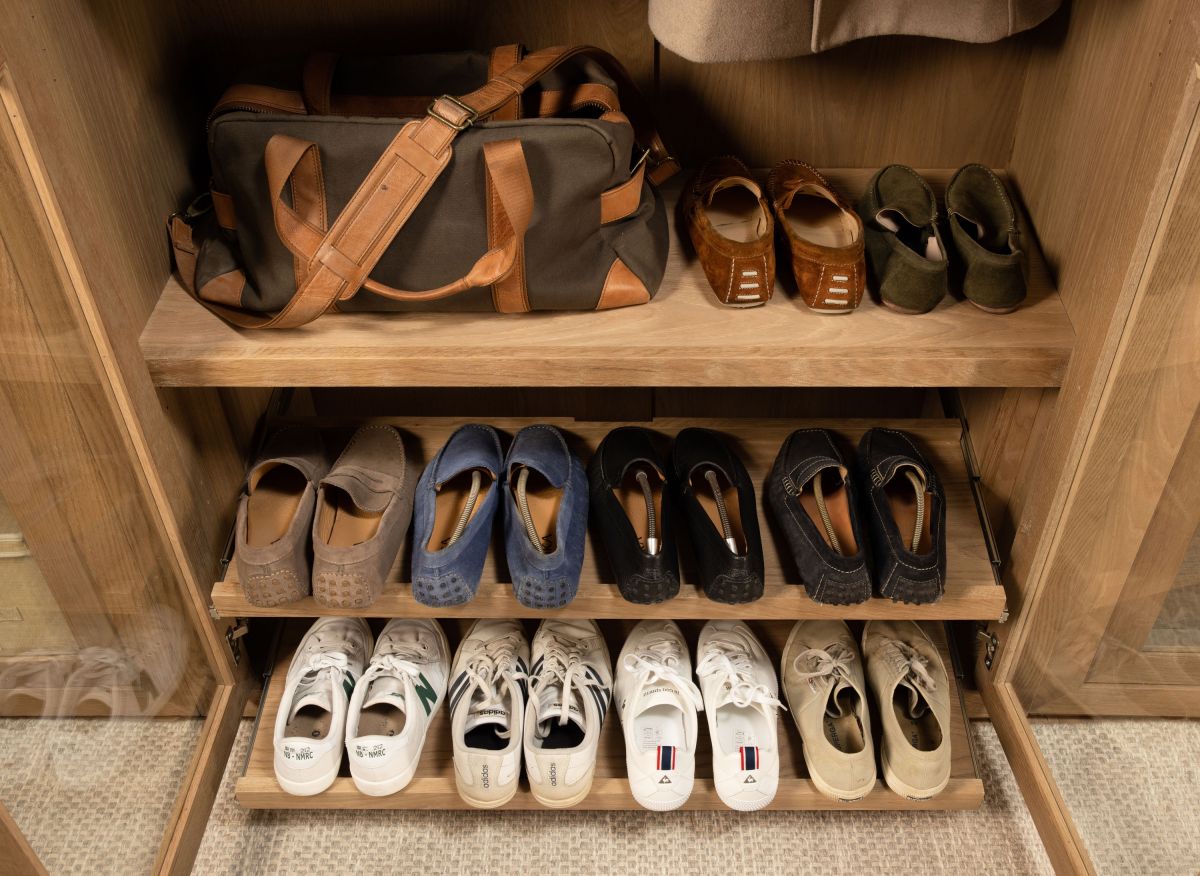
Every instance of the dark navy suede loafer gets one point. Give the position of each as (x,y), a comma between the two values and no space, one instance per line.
(717,501)
(545,517)
(812,496)
(906,514)
(456,502)
(633,507)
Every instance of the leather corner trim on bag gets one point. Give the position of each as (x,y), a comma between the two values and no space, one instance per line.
(622,288)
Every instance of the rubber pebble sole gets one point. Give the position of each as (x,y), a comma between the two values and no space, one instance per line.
(343,591)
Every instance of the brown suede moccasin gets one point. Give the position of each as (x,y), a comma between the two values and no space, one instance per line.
(823,235)
(274,517)
(364,507)
(730,226)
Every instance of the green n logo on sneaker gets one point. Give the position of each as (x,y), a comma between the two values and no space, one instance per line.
(426,693)
(348,683)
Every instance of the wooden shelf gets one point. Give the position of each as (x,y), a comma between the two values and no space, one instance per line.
(683,338)
(971,589)
(433,786)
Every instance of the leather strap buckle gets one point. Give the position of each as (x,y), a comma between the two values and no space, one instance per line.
(469,115)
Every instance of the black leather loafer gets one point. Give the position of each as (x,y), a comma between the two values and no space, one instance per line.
(633,506)
(812,496)
(906,510)
(717,500)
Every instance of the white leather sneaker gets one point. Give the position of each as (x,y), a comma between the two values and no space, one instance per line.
(823,681)
(311,725)
(741,699)
(395,700)
(487,711)
(569,689)
(912,688)
(657,702)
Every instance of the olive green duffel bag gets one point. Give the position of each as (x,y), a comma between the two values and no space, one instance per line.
(534,189)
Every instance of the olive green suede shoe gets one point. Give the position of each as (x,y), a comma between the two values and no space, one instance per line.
(906,259)
(983,227)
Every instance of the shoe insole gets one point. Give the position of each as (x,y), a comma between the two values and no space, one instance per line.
(844,731)
(923,733)
(342,523)
(449,502)
(739,727)
(816,219)
(273,503)
(708,502)
(633,500)
(902,498)
(568,735)
(736,214)
(920,239)
(543,500)
(311,722)
(837,505)
(381,719)
(659,725)
(487,737)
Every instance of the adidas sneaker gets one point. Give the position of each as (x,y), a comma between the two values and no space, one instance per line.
(570,684)
(395,700)
(658,702)
(741,698)
(311,724)
(487,710)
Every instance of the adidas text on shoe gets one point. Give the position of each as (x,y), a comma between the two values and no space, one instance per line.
(570,686)
(488,691)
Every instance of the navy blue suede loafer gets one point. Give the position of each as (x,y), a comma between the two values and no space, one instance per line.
(456,502)
(545,517)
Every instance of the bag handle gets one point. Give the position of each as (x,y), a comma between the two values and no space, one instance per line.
(507,180)
(404,174)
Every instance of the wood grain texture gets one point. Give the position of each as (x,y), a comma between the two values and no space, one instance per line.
(1049,811)
(1147,401)
(865,104)
(971,591)
(1066,141)
(433,786)
(685,337)
(17,856)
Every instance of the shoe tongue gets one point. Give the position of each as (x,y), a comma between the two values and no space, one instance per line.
(550,706)
(488,714)
(386,689)
(917,706)
(316,692)
(842,700)
(660,695)
(366,489)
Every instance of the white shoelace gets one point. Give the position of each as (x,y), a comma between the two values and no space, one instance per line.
(400,661)
(832,662)
(495,665)
(729,661)
(561,665)
(657,661)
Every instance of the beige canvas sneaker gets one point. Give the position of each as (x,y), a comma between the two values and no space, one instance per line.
(911,686)
(827,695)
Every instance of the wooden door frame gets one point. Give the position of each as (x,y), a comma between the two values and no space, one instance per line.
(1146,398)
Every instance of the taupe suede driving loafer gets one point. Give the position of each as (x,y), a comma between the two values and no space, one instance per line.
(274,517)
(364,507)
